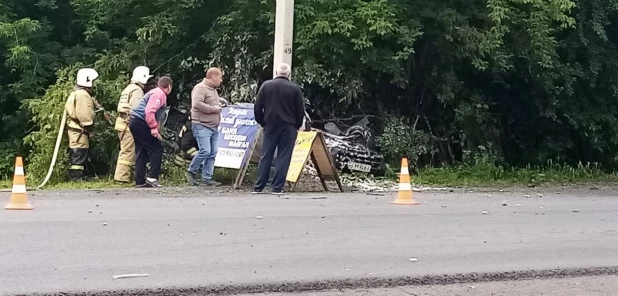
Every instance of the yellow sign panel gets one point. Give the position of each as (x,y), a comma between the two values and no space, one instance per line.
(302,148)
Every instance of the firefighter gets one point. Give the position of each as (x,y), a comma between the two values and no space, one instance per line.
(129,99)
(187,143)
(80,108)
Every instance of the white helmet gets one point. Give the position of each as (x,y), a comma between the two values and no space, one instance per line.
(86,76)
(141,74)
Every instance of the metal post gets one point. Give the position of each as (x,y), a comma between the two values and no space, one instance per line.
(284,33)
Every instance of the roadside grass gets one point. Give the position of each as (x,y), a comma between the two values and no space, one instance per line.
(490,175)
(173,176)
(463,176)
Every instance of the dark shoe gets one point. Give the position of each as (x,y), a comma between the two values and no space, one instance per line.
(145,185)
(210,182)
(257,191)
(278,192)
(191,178)
(153,183)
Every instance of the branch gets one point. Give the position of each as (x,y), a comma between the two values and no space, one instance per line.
(346,119)
(181,53)
(194,43)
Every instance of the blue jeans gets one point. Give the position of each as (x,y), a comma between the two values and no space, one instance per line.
(207,142)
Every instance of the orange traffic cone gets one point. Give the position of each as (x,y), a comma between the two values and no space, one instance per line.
(19,196)
(404,196)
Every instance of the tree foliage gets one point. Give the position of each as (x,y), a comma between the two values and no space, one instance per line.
(525,81)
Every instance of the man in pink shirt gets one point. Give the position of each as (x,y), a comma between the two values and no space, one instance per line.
(145,125)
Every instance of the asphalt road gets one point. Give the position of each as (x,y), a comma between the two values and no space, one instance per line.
(77,240)
(579,286)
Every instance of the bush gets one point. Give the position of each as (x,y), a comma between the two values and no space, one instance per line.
(400,139)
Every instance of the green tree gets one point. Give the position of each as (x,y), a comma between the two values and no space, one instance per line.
(446,82)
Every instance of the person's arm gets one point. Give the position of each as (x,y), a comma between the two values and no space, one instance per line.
(198,97)
(157,100)
(299,103)
(258,108)
(134,98)
(84,110)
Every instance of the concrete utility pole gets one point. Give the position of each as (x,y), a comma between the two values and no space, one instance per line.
(284,33)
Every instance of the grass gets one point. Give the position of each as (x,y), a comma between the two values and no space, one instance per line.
(174,176)
(466,176)
(490,175)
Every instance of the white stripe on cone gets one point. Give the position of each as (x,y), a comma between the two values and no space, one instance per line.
(19,188)
(405,186)
(19,171)
(405,171)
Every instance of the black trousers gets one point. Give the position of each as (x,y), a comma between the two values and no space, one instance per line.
(148,149)
(78,157)
(281,139)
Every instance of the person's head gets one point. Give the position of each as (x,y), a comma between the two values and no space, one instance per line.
(141,75)
(86,77)
(151,84)
(284,70)
(214,77)
(165,83)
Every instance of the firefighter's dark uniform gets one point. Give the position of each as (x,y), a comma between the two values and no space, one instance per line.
(129,99)
(188,145)
(80,124)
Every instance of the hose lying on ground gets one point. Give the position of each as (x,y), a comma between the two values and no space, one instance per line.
(56,149)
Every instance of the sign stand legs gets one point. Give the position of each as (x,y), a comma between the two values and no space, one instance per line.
(243,171)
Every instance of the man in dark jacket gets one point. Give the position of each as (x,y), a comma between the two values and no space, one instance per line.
(279,109)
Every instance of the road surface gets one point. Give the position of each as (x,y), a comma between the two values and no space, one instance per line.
(580,286)
(77,240)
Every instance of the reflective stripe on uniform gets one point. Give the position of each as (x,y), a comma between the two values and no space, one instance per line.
(179,160)
(192,151)
(124,162)
(76,167)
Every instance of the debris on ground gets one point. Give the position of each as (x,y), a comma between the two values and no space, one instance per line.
(370,184)
(131,275)
(312,197)
(413,260)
